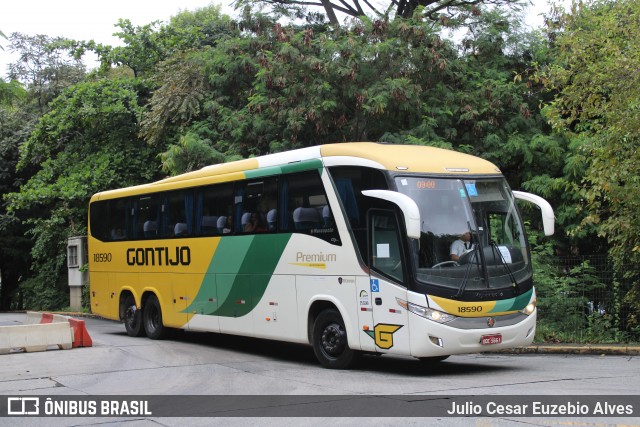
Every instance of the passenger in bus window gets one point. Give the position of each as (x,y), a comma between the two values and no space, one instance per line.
(117,234)
(255,224)
(180,229)
(228,224)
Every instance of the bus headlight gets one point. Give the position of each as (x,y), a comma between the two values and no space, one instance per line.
(427,313)
(530,308)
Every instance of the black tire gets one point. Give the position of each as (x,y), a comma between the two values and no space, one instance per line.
(132,317)
(329,339)
(152,318)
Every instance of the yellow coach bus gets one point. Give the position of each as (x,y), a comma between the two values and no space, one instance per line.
(354,247)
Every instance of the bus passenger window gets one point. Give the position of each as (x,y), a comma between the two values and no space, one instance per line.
(306,208)
(177,218)
(146,216)
(214,210)
(255,200)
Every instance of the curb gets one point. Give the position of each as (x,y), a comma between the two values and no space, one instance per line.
(599,349)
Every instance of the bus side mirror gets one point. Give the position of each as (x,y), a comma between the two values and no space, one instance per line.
(406,204)
(545,208)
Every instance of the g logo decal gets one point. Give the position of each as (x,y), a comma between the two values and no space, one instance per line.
(382,334)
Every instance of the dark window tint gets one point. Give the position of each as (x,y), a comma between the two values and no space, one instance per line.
(257,206)
(146,217)
(214,211)
(350,181)
(305,207)
(111,220)
(178,216)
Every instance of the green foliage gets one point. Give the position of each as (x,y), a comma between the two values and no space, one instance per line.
(191,153)
(594,71)
(11,91)
(42,68)
(144,46)
(39,293)
(570,299)
(452,12)
(276,88)
(85,144)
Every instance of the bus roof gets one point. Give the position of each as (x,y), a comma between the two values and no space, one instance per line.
(392,157)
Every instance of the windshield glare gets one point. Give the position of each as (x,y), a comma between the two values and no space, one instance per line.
(472,235)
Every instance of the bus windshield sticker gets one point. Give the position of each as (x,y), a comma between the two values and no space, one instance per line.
(506,255)
(383,250)
(471,189)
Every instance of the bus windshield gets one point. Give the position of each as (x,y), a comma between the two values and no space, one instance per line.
(471,234)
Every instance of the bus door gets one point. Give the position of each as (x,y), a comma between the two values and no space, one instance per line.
(390,331)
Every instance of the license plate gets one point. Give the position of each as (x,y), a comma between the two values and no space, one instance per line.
(491,339)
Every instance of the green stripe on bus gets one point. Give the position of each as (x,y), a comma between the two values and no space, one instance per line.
(239,272)
(512,304)
(304,165)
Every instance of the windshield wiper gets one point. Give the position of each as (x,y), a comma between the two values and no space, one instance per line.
(471,257)
(465,279)
(514,282)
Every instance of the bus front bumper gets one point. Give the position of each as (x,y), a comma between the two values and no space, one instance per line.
(429,338)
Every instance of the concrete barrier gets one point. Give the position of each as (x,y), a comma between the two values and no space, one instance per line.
(35,337)
(42,330)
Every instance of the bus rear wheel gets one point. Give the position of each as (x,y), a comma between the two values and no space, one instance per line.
(152,318)
(132,317)
(329,341)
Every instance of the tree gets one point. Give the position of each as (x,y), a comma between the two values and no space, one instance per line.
(81,138)
(191,153)
(277,88)
(435,10)
(598,87)
(86,143)
(15,247)
(12,90)
(144,46)
(42,68)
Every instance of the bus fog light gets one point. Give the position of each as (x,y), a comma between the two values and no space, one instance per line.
(437,341)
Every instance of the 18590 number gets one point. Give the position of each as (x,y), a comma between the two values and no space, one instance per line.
(472,309)
(102,257)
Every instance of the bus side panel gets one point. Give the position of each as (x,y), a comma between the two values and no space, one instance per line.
(101,301)
(276,315)
(172,294)
(391,332)
(365,315)
(200,309)
(119,282)
(235,296)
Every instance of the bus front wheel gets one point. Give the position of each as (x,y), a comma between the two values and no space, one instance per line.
(330,341)
(132,317)
(152,318)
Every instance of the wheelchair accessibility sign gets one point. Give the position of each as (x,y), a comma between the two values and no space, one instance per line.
(375,285)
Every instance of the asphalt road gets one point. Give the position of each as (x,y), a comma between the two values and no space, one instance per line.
(219,365)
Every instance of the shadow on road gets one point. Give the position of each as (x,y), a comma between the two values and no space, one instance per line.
(303,355)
